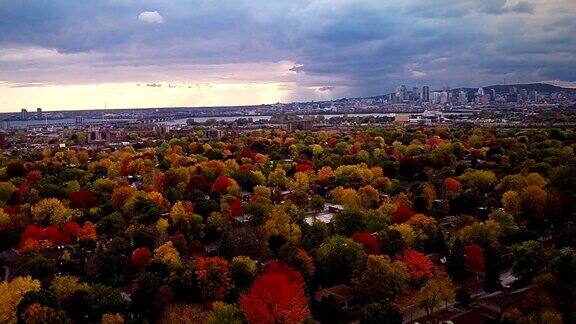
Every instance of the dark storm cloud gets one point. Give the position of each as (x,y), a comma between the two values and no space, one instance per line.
(366,46)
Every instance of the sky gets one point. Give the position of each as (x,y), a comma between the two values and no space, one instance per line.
(82,54)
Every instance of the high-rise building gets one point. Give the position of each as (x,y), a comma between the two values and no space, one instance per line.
(513,90)
(39,112)
(492,94)
(23,114)
(533,96)
(524,94)
(480,92)
(425,94)
(402,93)
(462,97)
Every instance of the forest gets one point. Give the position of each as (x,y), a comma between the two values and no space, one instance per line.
(377,225)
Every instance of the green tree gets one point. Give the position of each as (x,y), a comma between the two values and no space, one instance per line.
(381,280)
(338,258)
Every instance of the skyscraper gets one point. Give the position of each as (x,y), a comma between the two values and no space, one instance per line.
(402,93)
(425,94)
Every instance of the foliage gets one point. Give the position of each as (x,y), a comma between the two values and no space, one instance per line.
(276,297)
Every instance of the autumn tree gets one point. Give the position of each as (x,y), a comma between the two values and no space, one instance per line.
(439,289)
(214,277)
(276,297)
(418,265)
(141,257)
(368,241)
(242,272)
(381,280)
(401,215)
(474,255)
(51,211)
(11,293)
(225,314)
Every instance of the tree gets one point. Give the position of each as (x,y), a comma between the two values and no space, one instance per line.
(51,211)
(457,261)
(401,215)
(276,297)
(214,277)
(141,257)
(11,293)
(338,258)
(479,180)
(474,256)
(381,280)
(435,291)
(378,313)
(182,314)
(242,272)
(168,254)
(64,287)
(83,199)
(418,265)
(451,185)
(225,314)
(348,221)
(369,197)
(528,258)
(511,202)
(39,314)
(533,202)
(392,242)
(7,189)
(368,241)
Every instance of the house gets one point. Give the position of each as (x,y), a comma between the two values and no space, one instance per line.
(325,218)
(475,315)
(341,295)
(500,301)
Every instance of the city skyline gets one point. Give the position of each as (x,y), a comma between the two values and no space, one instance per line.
(62,55)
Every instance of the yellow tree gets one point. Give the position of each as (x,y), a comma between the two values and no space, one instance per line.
(369,197)
(11,293)
(51,211)
(511,202)
(65,286)
(346,196)
(168,254)
(436,290)
(280,223)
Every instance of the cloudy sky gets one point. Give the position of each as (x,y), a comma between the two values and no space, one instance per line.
(63,54)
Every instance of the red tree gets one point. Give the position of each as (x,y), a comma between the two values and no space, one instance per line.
(451,185)
(214,277)
(401,214)
(304,166)
(221,184)
(82,199)
(235,207)
(71,230)
(31,234)
(54,235)
(141,257)
(34,176)
(474,255)
(368,241)
(418,265)
(331,142)
(22,190)
(276,297)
